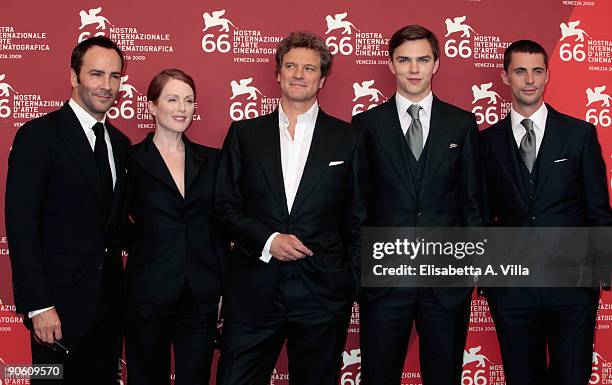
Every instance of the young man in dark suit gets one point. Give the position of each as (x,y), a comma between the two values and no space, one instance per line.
(64,197)
(283,195)
(416,165)
(543,168)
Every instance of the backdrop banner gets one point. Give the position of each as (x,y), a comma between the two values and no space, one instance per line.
(228,47)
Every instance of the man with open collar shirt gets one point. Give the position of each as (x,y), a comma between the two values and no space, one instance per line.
(283,194)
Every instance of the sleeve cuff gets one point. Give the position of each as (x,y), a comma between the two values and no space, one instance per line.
(33,313)
(265,253)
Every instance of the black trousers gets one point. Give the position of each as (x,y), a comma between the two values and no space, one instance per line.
(526,333)
(315,340)
(153,329)
(94,357)
(385,327)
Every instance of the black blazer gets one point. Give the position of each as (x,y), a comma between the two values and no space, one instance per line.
(450,193)
(251,204)
(57,224)
(175,239)
(569,193)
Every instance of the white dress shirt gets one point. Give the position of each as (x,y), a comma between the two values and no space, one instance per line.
(294,153)
(87,122)
(424,113)
(539,124)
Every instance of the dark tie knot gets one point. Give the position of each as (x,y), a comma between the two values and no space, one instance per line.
(413,110)
(528,124)
(98,129)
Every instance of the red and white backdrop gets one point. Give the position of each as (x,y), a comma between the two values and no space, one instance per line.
(228,47)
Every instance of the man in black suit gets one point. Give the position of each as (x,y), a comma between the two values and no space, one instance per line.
(543,168)
(64,195)
(416,165)
(283,194)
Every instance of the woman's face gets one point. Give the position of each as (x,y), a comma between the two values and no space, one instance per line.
(173,110)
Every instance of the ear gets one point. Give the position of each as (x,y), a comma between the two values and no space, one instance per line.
(152,108)
(321,82)
(547,76)
(504,77)
(74,79)
(436,65)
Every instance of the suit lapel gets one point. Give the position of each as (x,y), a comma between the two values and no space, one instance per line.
(194,161)
(504,148)
(78,145)
(552,143)
(266,141)
(324,140)
(150,160)
(438,141)
(393,141)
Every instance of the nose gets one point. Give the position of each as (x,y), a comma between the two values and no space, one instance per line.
(299,73)
(181,106)
(529,78)
(413,66)
(106,83)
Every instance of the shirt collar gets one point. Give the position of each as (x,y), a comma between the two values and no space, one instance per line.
(309,117)
(403,103)
(538,118)
(86,120)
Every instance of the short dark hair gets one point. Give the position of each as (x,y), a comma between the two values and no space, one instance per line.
(76,59)
(414,32)
(304,39)
(159,81)
(523,46)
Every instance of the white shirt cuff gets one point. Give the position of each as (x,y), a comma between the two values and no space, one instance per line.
(265,253)
(37,312)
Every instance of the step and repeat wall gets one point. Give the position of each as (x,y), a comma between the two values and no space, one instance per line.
(228,47)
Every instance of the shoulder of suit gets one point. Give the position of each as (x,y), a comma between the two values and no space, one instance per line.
(251,124)
(568,121)
(494,130)
(453,109)
(124,138)
(138,146)
(334,120)
(40,126)
(209,151)
(373,112)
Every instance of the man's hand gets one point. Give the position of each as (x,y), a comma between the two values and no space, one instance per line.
(47,326)
(287,247)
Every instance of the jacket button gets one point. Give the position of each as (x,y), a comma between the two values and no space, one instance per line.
(99,265)
(419,213)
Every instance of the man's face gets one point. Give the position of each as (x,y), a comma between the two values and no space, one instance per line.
(96,87)
(527,77)
(300,75)
(413,65)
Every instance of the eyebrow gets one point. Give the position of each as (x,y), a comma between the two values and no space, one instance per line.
(418,57)
(525,69)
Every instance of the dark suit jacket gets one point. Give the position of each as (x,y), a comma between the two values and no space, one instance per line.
(57,224)
(571,193)
(251,204)
(175,238)
(450,192)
